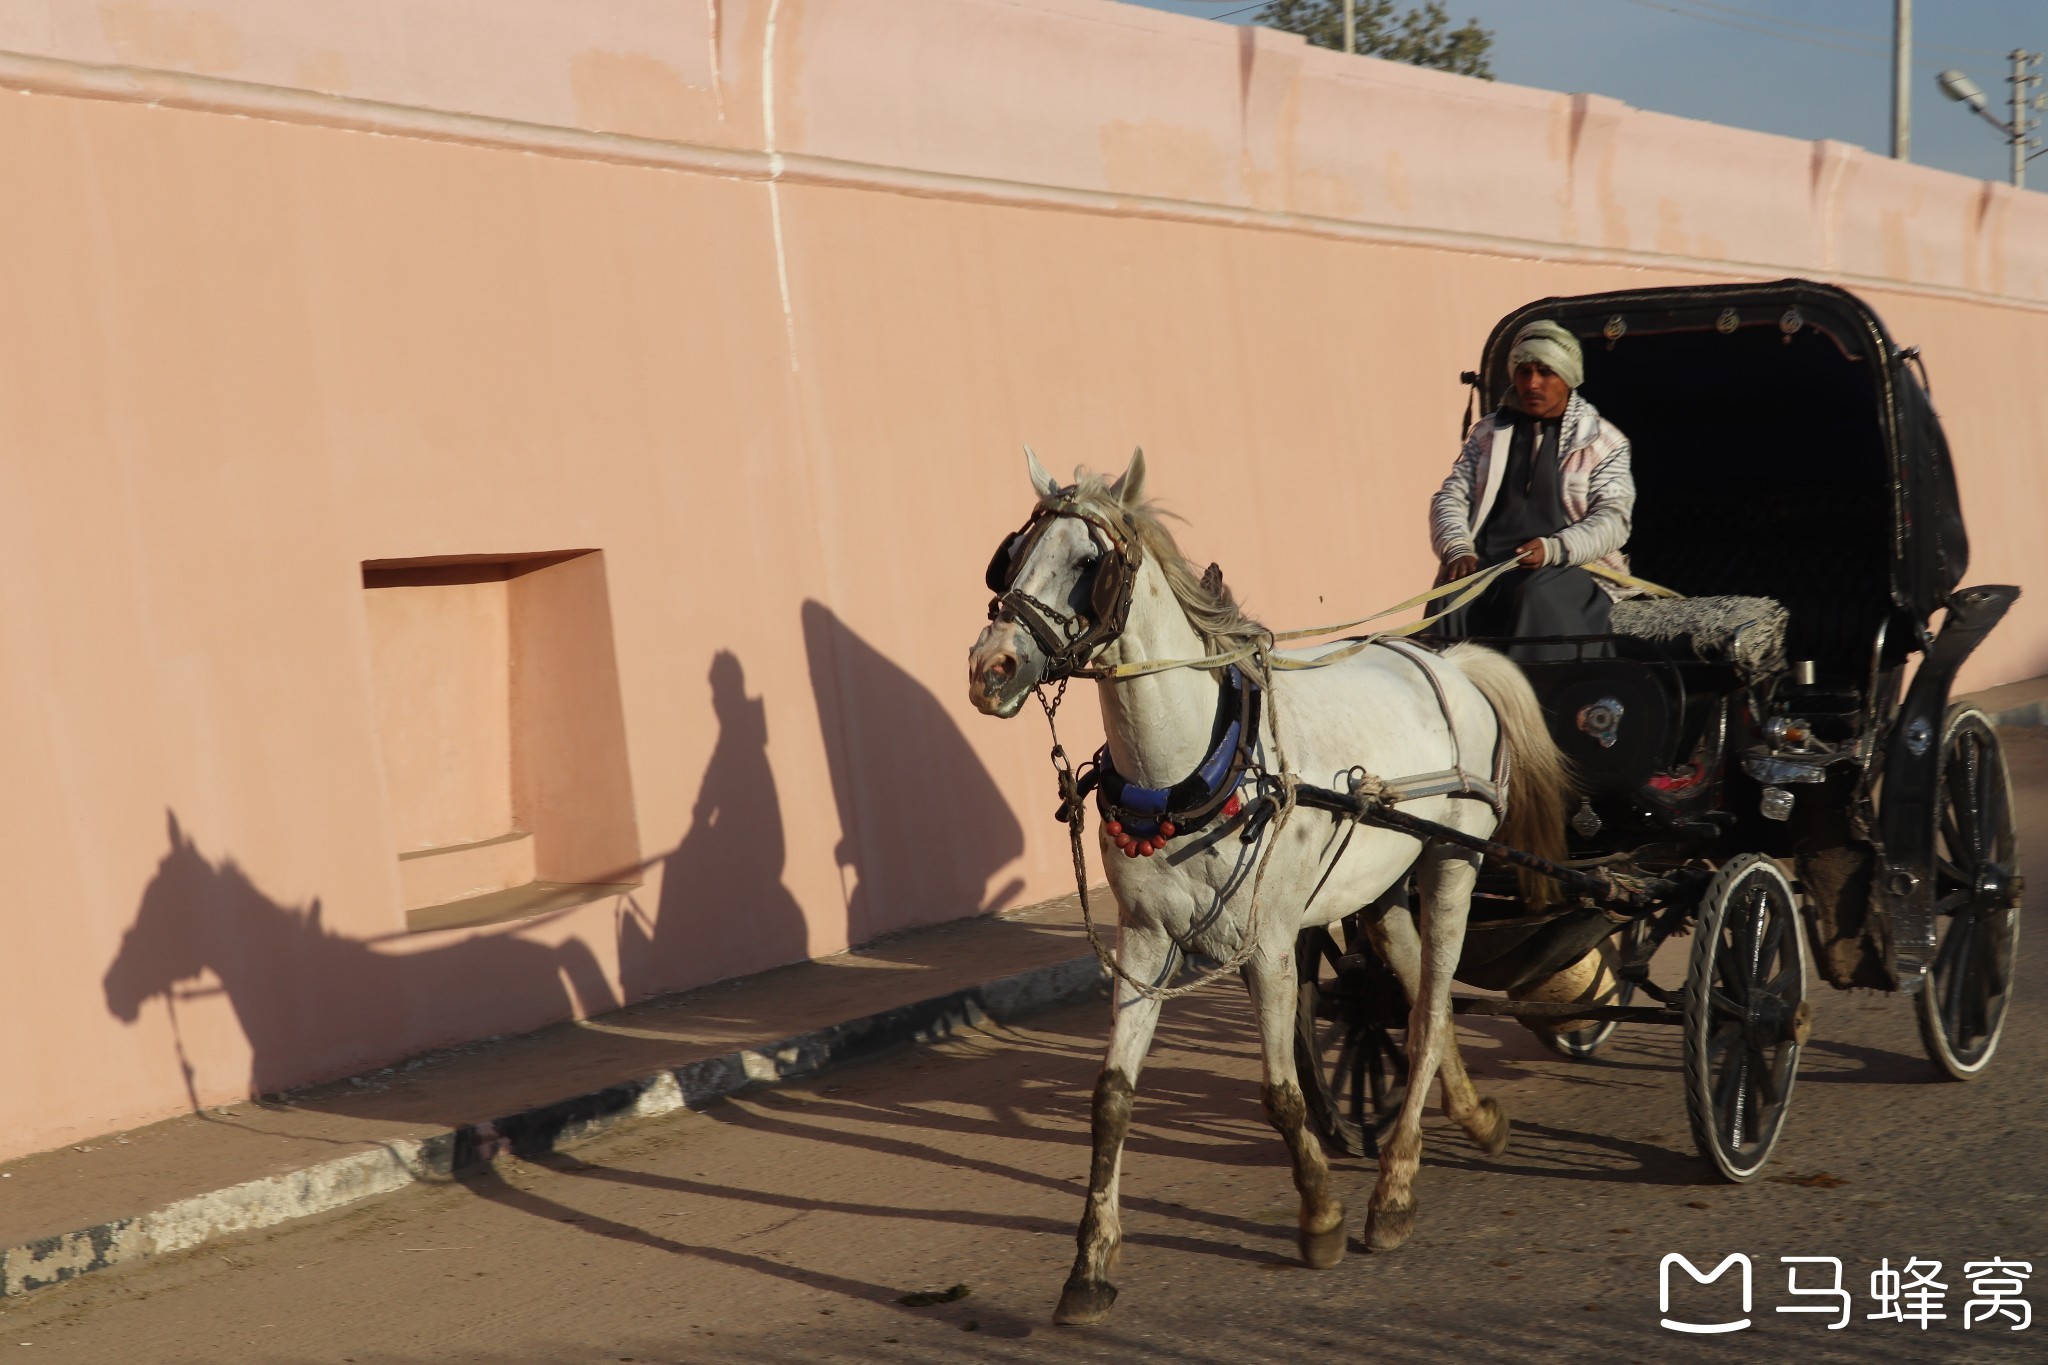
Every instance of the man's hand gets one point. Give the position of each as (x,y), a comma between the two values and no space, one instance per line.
(1530,554)
(1464,566)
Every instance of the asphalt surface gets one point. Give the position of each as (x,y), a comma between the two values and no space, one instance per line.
(789,1224)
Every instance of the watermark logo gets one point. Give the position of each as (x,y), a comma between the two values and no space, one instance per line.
(1909,1295)
(1839,1301)
(1733,1258)
(1995,1287)
(1913,1293)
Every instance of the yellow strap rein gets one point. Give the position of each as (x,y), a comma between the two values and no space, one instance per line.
(1462,591)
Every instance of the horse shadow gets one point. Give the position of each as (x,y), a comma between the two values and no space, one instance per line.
(924,827)
(313,1003)
(721,898)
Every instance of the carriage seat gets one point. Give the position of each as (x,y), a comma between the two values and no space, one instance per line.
(1747,633)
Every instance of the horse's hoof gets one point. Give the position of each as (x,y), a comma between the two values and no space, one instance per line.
(1321,1250)
(1388,1225)
(1492,1136)
(1082,1302)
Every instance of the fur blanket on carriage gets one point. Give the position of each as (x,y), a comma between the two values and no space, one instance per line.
(1746,632)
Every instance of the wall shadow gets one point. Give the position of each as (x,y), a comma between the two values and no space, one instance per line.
(722,897)
(924,827)
(315,1003)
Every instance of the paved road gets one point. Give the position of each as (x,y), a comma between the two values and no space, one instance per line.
(785,1225)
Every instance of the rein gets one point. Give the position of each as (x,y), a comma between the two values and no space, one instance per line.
(1069,640)
(1467,590)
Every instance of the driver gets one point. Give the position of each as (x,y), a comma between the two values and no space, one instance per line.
(1543,481)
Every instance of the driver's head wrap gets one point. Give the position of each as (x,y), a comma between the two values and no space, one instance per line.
(1548,344)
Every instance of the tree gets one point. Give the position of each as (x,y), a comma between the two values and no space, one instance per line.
(1421,35)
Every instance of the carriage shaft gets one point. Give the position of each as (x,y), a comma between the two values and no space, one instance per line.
(1564,1009)
(1595,886)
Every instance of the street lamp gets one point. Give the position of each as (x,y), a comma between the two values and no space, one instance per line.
(1959,87)
(1965,91)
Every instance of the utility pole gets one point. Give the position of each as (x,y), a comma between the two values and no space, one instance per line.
(1351,26)
(2023,104)
(1958,86)
(1902,75)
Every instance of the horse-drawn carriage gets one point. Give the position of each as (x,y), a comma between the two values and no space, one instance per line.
(1795,493)
(1793,482)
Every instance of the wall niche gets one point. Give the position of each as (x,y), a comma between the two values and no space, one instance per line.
(504,743)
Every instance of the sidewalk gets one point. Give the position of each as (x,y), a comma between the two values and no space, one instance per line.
(2020,703)
(188,1180)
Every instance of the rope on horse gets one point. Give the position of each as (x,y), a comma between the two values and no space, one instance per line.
(1462,591)
(1259,652)
(1076,814)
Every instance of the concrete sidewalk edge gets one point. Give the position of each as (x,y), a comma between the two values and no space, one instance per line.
(533,1132)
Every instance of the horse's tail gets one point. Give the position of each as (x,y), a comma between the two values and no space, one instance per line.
(1539,775)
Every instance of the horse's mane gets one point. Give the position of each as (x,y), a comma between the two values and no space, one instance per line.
(1215,614)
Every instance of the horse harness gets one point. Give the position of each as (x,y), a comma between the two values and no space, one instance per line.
(1141,819)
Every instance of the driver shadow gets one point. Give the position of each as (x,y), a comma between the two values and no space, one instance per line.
(489,1184)
(1573,1154)
(905,1115)
(1865,1065)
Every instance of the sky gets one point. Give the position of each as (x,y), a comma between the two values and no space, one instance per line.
(1803,68)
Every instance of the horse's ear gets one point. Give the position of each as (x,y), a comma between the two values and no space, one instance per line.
(1042,483)
(177,833)
(1129,489)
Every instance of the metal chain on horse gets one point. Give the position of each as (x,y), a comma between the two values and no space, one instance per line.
(1075,810)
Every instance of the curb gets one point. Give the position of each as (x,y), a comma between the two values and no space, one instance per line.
(2033,713)
(535,1132)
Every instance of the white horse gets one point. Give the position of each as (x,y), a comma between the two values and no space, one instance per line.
(1107,587)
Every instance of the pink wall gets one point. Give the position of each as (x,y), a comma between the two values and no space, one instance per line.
(758,297)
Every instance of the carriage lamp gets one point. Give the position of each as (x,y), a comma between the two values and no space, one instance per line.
(1784,730)
(1776,805)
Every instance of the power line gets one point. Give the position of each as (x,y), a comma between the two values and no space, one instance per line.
(1665,7)
(1784,23)
(1746,21)
(1880,44)
(1862,35)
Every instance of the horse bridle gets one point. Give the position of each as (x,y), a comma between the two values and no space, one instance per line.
(1067,639)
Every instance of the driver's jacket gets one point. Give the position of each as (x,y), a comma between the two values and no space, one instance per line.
(1598,491)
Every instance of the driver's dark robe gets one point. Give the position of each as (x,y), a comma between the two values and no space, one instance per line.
(1557,599)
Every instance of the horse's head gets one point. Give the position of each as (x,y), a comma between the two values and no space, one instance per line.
(196,915)
(1062,586)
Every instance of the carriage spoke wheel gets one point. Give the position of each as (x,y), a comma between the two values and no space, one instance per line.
(1350,1026)
(1746,1014)
(1968,989)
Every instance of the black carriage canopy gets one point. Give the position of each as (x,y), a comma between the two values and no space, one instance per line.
(1783,448)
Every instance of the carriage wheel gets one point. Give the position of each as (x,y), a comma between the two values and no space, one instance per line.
(1746,1014)
(1350,1027)
(1968,989)
(1582,1043)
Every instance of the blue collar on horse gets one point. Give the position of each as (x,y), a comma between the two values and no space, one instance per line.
(1141,819)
